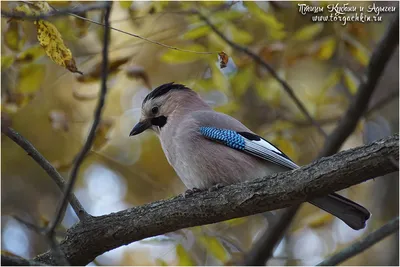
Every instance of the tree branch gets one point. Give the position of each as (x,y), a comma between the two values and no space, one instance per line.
(358,247)
(376,66)
(96,235)
(349,120)
(263,63)
(97,118)
(42,161)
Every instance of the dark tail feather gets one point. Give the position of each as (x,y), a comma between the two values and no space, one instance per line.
(348,211)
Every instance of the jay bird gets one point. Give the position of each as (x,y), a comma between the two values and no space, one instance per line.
(207,148)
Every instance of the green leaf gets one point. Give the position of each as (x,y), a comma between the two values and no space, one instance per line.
(215,247)
(179,57)
(197,32)
(219,79)
(332,80)
(184,259)
(327,48)
(275,28)
(240,36)
(308,32)
(6,62)
(350,81)
(30,78)
(13,38)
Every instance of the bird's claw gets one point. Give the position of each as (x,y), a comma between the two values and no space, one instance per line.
(190,192)
(215,187)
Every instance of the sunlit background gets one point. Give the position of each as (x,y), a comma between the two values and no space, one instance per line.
(53,108)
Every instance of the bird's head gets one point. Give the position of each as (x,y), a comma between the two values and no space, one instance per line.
(162,103)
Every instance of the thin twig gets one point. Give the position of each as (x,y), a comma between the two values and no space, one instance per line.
(55,13)
(46,165)
(357,107)
(376,66)
(92,133)
(358,247)
(145,39)
(261,62)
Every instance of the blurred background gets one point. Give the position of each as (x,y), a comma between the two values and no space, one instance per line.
(53,108)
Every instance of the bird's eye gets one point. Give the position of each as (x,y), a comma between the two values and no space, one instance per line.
(154,110)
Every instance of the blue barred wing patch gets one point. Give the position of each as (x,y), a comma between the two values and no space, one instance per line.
(227,137)
(248,143)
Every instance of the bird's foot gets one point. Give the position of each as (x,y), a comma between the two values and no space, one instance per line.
(215,187)
(190,192)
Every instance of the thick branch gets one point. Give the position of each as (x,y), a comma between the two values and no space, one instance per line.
(96,235)
(358,247)
(375,69)
(42,161)
(359,104)
(263,63)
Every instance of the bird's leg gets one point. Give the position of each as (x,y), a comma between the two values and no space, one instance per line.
(215,187)
(192,191)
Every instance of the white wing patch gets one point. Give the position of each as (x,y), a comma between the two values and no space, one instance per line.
(266,151)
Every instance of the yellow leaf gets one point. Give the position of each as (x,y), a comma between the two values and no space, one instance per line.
(13,38)
(184,259)
(350,81)
(125,4)
(275,29)
(175,56)
(241,81)
(30,78)
(102,133)
(327,48)
(286,147)
(358,50)
(240,36)
(215,247)
(308,32)
(30,54)
(197,32)
(219,79)
(332,80)
(34,8)
(6,62)
(50,39)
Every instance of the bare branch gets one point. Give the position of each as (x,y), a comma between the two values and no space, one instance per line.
(358,247)
(97,117)
(46,165)
(393,95)
(376,66)
(263,63)
(96,235)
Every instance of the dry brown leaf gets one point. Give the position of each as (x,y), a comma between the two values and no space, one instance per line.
(223,59)
(138,72)
(95,73)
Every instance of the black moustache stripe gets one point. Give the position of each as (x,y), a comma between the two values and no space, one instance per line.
(159,121)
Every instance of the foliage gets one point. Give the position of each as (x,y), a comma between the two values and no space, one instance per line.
(53,106)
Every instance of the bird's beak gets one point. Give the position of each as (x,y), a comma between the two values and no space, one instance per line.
(141,126)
